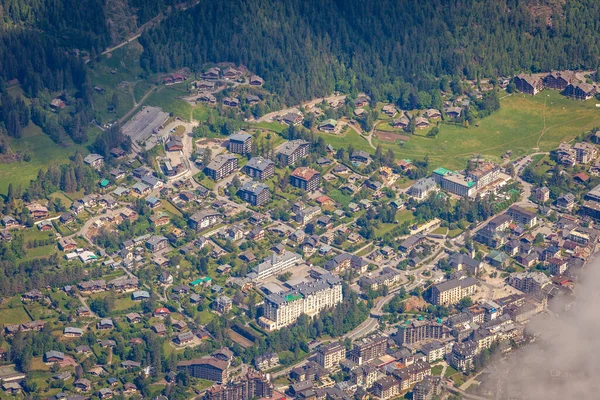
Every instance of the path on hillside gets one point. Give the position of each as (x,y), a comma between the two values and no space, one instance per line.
(136,106)
(537,145)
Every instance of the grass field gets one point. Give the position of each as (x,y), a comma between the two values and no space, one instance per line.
(16,315)
(42,151)
(436,370)
(165,99)
(342,141)
(523,124)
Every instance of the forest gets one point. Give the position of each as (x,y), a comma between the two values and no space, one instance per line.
(390,49)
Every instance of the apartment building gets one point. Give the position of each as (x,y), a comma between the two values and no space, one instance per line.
(452,291)
(523,216)
(412,374)
(455,183)
(240,143)
(275,264)
(484,175)
(259,168)
(529,282)
(368,349)
(209,368)
(283,309)
(203,219)
(255,193)
(462,355)
(416,331)
(330,355)
(305,178)
(428,388)
(386,388)
(290,152)
(221,166)
(388,277)
(421,188)
(254,385)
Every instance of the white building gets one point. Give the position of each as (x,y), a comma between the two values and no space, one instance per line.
(275,264)
(306,298)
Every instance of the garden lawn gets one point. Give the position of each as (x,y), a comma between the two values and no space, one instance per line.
(16,315)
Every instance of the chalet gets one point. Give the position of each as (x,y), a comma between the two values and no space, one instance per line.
(257,233)
(230,102)
(133,318)
(421,123)
(160,219)
(361,101)
(45,226)
(179,325)
(207,98)
(94,286)
(72,332)
(453,112)
(559,80)
(212,74)
(528,84)
(580,91)
(157,243)
(153,202)
(140,295)
(38,211)
(401,122)
(82,385)
(105,323)
(117,152)
(432,113)
(105,393)
(184,338)
(252,99)
(256,80)
(159,329)
(360,156)
(141,189)
(128,364)
(231,73)
(152,181)
(329,125)
(54,356)
(12,388)
(129,388)
(389,110)
(83,349)
(292,118)
(67,244)
(161,312)
(94,160)
(175,143)
(57,104)
(9,222)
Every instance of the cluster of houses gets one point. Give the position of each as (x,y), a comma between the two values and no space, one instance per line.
(570,83)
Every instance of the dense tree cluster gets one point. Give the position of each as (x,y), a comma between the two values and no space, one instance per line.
(391,49)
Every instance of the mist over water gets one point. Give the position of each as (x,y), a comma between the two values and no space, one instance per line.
(564,362)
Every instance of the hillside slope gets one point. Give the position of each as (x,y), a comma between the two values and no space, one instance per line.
(306,48)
